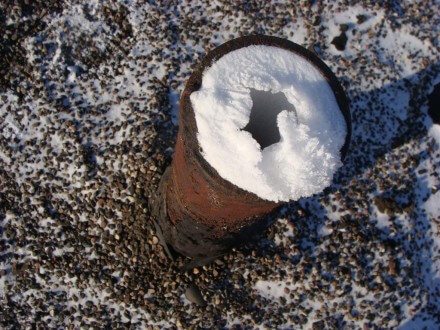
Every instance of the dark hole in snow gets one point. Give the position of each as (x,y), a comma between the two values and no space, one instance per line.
(263,119)
(340,41)
(434,105)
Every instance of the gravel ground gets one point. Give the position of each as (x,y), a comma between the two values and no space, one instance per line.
(88,115)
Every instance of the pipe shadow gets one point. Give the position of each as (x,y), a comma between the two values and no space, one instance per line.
(385,120)
(403,122)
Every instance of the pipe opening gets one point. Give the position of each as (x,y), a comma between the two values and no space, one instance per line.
(275,157)
(263,119)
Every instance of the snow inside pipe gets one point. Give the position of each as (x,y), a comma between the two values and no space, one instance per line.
(262,121)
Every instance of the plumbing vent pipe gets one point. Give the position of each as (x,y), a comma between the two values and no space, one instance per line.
(198,213)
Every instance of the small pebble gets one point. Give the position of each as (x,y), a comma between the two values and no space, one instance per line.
(194,295)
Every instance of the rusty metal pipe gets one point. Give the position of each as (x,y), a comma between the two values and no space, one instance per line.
(197,212)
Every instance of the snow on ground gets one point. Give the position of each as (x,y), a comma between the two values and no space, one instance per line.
(88,100)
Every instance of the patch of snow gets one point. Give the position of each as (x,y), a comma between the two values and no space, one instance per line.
(434,131)
(273,289)
(398,47)
(349,17)
(383,220)
(432,205)
(303,162)
(300,32)
(324,231)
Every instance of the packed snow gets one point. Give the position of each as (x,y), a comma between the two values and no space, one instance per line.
(303,162)
(87,105)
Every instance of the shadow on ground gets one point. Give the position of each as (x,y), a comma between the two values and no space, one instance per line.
(380,172)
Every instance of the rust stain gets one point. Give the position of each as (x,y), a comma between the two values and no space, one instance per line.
(194,191)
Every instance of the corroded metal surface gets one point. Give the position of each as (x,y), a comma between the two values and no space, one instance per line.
(192,238)
(199,213)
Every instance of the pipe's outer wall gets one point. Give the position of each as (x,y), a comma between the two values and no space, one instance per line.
(199,213)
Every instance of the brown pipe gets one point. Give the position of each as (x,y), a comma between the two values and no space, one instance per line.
(197,212)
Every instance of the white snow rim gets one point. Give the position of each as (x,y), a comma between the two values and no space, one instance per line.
(311,127)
